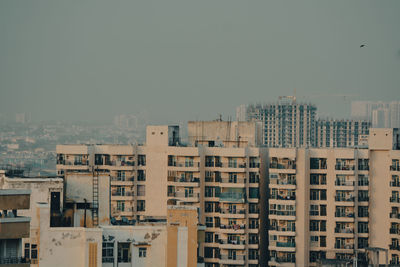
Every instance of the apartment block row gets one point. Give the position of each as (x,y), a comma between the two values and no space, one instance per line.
(260,206)
(288,124)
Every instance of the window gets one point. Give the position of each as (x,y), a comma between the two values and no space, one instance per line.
(141,205)
(142,252)
(314,194)
(27,250)
(232,162)
(124,252)
(314,210)
(34,251)
(141,160)
(322,210)
(314,225)
(141,190)
(141,175)
(120,205)
(209,236)
(209,221)
(108,252)
(314,238)
(322,241)
(189,162)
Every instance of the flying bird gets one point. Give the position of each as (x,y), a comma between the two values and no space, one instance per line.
(363,45)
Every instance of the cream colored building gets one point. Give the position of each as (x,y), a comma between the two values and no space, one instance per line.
(218,173)
(334,203)
(43,190)
(168,243)
(260,206)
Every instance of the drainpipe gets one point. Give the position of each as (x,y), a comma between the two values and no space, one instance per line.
(84,219)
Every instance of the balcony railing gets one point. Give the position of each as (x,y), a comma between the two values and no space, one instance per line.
(344,198)
(279,197)
(282,181)
(340,167)
(395,199)
(14,260)
(344,214)
(344,246)
(395,215)
(283,212)
(185,180)
(284,259)
(232,242)
(344,183)
(186,195)
(234,181)
(233,257)
(394,246)
(395,231)
(344,230)
(122,179)
(237,211)
(395,183)
(233,226)
(122,194)
(394,168)
(234,197)
(282,229)
(286,244)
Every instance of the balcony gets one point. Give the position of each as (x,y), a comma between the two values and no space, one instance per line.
(14,262)
(395,215)
(395,183)
(344,183)
(344,198)
(344,230)
(233,226)
(189,197)
(232,197)
(233,211)
(232,244)
(232,182)
(394,199)
(395,231)
(344,214)
(184,180)
(232,259)
(283,197)
(286,244)
(284,259)
(394,247)
(11,199)
(282,229)
(14,227)
(344,246)
(283,212)
(395,168)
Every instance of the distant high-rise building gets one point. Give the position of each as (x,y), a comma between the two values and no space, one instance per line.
(124,121)
(23,117)
(340,133)
(286,123)
(381,114)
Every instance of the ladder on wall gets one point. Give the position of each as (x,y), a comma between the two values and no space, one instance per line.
(95,204)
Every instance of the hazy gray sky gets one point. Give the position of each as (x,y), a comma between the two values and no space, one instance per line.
(184,60)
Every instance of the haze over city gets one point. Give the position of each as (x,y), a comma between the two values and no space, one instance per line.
(186,60)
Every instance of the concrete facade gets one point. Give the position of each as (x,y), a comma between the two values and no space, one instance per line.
(12,226)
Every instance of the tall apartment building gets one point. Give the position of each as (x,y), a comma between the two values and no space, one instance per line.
(340,133)
(334,203)
(221,173)
(381,114)
(286,123)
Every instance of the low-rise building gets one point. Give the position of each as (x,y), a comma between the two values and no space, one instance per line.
(13,227)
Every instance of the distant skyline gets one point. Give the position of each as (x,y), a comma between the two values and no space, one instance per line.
(193,60)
